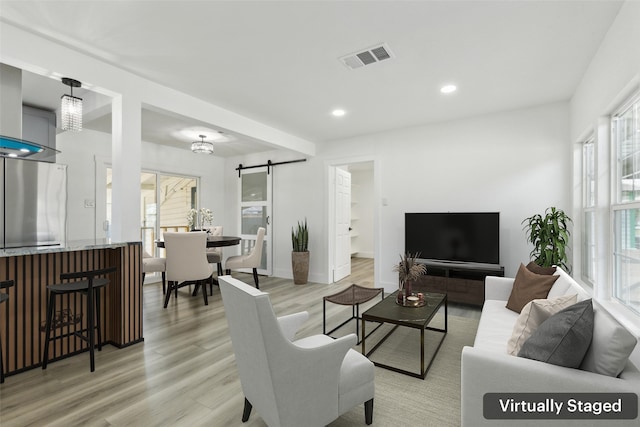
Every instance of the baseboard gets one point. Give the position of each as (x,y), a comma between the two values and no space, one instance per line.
(286,273)
(363,255)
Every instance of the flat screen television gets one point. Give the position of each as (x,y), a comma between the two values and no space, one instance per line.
(468,237)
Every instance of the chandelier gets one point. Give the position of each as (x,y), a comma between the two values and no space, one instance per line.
(71,107)
(202,146)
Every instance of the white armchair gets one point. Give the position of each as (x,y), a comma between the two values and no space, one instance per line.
(186,262)
(251,260)
(307,382)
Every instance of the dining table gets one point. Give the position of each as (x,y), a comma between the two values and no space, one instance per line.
(213,241)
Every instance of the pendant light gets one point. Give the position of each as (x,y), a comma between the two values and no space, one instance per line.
(71,107)
(204,147)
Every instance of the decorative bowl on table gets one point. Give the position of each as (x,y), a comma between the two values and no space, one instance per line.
(412,301)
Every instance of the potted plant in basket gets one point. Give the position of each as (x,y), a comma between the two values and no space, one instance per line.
(409,270)
(300,253)
(550,237)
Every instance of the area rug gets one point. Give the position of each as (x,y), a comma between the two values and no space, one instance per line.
(401,400)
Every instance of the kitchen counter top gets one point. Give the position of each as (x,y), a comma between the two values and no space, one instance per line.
(72,245)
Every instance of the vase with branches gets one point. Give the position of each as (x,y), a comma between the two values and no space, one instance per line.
(199,218)
(409,270)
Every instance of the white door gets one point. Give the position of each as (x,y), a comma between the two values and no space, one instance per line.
(343,224)
(255,212)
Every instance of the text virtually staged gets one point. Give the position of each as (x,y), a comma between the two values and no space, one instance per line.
(546,406)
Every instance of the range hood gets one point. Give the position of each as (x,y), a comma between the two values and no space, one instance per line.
(19,148)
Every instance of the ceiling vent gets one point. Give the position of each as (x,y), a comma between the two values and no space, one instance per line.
(367,57)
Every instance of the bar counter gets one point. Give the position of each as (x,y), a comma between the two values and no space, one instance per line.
(23,316)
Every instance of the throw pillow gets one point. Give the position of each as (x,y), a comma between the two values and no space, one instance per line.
(532,316)
(564,338)
(535,268)
(561,286)
(610,347)
(528,286)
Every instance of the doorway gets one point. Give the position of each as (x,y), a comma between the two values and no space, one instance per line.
(352,213)
(164,200)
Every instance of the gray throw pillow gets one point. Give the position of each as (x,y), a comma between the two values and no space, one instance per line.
(610,347)
(564,338)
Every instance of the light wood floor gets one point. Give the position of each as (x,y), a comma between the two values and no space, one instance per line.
(182,375)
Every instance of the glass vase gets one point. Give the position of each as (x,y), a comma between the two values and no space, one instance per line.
(400,296)
(408,288)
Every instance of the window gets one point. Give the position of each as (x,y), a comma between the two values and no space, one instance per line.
(165,201)
(626,207)
(589,214)
(589,173)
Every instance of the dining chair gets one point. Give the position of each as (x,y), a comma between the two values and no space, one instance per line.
(186,262)
(151,264)
(214,255)
(305,382)
(250,260)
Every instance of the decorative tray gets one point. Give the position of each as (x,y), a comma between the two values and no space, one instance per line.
(412,301)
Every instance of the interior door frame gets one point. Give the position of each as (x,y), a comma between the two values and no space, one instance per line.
(101,228)
(330,195)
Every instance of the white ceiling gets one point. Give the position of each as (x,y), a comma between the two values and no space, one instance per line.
(157,126)
(278,61)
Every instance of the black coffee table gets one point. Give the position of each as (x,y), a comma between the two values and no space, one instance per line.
(387,311)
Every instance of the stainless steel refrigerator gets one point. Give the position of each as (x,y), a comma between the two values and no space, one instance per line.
(33,203)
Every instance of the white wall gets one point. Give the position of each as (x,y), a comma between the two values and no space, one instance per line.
(80,150)
(513,162)
(614,70)
(517,163)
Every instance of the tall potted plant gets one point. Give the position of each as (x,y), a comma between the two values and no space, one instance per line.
(300,253)
(550,237)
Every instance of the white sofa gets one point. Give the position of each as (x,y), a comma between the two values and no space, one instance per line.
(488,368)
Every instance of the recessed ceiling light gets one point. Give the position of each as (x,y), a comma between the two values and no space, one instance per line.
(338,112)
(448,89)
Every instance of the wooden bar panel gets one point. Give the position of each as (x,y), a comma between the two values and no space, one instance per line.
(125,325)
(23,316)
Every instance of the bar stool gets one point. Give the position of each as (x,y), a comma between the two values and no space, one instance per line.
(4,296)
(87,286)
